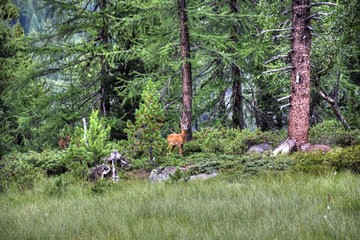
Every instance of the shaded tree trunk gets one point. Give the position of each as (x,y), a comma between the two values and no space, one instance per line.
(300,74)
(105,86)
(186,68)
(237,99)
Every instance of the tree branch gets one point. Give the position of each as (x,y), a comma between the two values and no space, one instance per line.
(276,58)
(316,15)
(322,3)
(278,70)
(273,30)
(333,102)
(284,98)
(325,97)
(282,106)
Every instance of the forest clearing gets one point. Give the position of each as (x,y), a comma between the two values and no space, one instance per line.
(110,109)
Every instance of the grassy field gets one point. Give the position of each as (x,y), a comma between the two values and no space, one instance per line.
(266,207)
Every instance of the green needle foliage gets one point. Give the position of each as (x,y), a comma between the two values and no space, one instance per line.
(144,135)
(92,145)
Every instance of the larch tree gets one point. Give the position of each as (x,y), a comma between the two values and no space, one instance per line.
(300,73)
(85,59)
(186,68)
(300,95)
(9,34)
(237,98)
(105,85)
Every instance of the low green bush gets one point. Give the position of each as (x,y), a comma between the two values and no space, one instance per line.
(339,159)
(230,141)
(92,145)
(22,169)
(312,163)
(334,134)
(346,158)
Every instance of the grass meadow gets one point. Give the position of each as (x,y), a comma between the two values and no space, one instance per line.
(286,206)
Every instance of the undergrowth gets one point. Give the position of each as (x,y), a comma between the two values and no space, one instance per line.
(219,149)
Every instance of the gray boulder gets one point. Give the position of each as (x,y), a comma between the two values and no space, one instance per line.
(163,174)
(259,148)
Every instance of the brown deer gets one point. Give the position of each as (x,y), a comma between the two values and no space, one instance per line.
(178,139)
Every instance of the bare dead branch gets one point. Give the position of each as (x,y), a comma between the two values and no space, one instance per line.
(284,98)
(273,30)
(322,3)
(173,102)
(274,58)
(333,102)
(325,97)
(283,106)
(316,15)
(278,70)
(88,98)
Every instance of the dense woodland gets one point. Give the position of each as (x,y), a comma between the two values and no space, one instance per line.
(265,92)
(131,71)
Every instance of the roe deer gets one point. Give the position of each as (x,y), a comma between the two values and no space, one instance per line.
(177,139)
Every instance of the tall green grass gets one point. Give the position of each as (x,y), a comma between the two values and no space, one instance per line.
(266,207)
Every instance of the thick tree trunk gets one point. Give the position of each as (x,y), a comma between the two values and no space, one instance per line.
(186,69)
(237,101)
(300,74)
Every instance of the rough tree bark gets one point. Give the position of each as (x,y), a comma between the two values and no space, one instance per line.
(300,73)
(186,68)
(237,99)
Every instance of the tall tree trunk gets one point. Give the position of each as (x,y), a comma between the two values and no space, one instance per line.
(105,85)
(300,74)
(186,69)
(105,89)
(237,99)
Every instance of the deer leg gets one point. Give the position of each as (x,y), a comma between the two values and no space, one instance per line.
(181,149)
(171,148)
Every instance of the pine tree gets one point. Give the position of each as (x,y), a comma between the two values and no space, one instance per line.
(9,65)
(85,59)
(145,133)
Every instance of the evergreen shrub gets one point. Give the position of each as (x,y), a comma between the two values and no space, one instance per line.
(90,147)
(339,159)
(22,169)
(144,135)
(230,141)
(332,133)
